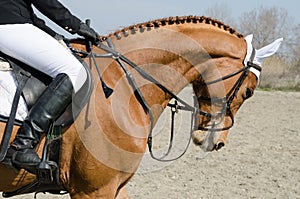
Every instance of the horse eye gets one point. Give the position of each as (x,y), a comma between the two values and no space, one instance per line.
(248,93)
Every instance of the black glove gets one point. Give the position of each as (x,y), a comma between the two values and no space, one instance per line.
(88,33)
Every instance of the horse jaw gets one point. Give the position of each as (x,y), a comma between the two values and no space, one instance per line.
(210,140)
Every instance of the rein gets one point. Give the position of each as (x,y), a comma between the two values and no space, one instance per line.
(195,111)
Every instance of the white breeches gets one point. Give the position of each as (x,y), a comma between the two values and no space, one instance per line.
(36,48)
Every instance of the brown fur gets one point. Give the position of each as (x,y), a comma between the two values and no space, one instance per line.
(99,158)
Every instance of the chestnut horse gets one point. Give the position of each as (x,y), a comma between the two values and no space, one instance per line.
(103,148)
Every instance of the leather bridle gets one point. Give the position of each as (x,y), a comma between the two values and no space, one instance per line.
(196,111)
(228,99)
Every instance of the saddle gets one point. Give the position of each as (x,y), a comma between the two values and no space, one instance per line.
(35,83)
(38,82)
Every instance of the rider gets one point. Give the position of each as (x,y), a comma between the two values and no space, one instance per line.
(26,38)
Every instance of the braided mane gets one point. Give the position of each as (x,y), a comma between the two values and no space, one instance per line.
(170,21)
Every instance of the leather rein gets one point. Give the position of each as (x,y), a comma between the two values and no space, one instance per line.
(195,111)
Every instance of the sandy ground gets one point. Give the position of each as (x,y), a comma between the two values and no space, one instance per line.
(260,160)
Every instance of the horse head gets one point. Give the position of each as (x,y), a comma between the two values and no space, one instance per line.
(220,99)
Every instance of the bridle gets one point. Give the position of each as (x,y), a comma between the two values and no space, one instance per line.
(195,111)
(228,99)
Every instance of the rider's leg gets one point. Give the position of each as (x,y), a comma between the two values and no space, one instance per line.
(52,102)
(53,59)
(36,48)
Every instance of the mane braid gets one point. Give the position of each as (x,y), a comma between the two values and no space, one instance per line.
(170,21)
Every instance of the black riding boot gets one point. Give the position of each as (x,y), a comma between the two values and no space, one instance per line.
(50,105)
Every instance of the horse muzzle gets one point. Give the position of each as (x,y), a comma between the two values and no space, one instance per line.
(210,140)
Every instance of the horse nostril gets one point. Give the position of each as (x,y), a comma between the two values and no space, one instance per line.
(219,145)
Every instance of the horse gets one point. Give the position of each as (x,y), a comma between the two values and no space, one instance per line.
(102,149)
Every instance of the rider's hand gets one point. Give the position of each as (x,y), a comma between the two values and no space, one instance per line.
(88,33)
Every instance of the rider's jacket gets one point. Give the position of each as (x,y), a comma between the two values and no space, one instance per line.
(42,25)
(20,12)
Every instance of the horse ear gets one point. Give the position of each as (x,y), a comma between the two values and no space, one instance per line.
(249,39)
(267,51)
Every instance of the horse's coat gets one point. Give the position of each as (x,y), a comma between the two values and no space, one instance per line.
(102,150)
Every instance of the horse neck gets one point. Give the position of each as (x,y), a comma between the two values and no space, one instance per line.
(178,55)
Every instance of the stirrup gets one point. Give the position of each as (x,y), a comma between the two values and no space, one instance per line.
(47,173)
